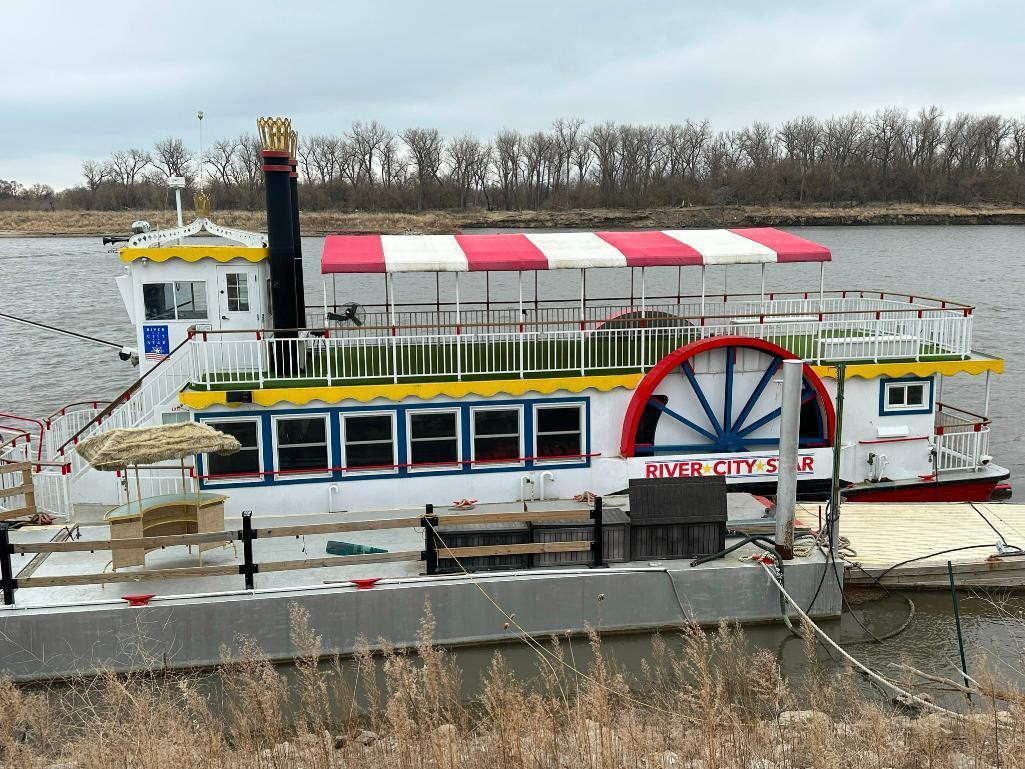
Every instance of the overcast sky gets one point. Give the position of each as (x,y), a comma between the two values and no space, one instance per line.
(80,80)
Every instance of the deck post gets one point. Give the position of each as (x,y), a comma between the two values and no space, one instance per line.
(459,349)
(430,554)
(761,294)
(583,316)
(389,283)
(7,580)
(247,535)
(822,284)
(644,317)
(598,539)
(786,482)
(519,280)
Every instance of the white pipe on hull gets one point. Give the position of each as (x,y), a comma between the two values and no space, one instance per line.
(786,484)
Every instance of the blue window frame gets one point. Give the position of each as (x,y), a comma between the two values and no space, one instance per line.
(552,429)
(906,395)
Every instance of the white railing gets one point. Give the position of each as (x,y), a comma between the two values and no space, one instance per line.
(961,439)
(625,342)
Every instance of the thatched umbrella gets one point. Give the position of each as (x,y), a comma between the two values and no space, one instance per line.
(120,448)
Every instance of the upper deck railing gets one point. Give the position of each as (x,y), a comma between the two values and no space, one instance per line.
(597,337)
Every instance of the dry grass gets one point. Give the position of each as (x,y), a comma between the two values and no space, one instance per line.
(705,702)
(431,222)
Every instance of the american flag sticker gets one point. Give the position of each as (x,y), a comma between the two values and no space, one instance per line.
(155,343)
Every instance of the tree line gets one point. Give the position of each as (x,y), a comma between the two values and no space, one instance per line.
(891,155)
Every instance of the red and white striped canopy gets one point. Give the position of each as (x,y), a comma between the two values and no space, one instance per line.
(564,250)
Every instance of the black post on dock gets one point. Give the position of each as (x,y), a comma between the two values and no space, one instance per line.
(247,535)
(430,554)
(598,540)
(7,581)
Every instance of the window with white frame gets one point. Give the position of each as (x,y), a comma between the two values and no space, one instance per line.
(368,441)
(180,300)
(301,444)
(559,432)
(245,463)
(238,291)
(902,396)
(433,439)
(497,435)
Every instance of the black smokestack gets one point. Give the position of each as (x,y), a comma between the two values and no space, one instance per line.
(286,283)
(297,243)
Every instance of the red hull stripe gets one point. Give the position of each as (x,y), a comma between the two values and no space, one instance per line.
(788,248)
(651,249)
(973,491)
(501,252)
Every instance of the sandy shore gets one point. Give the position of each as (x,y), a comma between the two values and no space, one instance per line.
(94,223)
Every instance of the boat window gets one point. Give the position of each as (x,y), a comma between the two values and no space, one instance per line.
(181,300)
(559,432)
(238,292)
(496,436)
(369,441)
(301,444)
(906,396)
(244,463)
(433,439)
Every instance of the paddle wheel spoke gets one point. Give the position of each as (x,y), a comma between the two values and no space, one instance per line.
(689,373)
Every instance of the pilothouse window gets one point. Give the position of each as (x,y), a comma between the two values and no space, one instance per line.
(181,300)
(238,292)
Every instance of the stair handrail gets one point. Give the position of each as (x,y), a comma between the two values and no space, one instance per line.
(123,397)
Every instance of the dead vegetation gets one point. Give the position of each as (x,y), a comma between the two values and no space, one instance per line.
(705,702)
(95,223)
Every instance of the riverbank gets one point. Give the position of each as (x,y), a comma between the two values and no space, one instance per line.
(704,701)
(95,223)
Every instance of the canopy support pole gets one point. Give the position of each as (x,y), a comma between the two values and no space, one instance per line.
(324,284)
(519,282)
(459,351)
(390,284)
(761,294)
(437,293)
(487,299)
(334,292)
(725,282)
(631,287)
(644,319)
(702,292)
(822,283)
(535,294)
(679,284)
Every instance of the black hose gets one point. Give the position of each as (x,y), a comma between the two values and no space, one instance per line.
(757,539)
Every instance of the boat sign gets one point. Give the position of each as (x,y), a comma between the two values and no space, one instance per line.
(731,466)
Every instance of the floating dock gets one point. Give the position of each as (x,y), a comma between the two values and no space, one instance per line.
(908,546)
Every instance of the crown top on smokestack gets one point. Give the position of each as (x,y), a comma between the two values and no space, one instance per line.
(277,135)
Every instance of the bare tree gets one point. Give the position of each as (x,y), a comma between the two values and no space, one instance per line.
(424,146)
(172,157)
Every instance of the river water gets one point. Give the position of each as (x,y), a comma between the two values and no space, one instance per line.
(69,282)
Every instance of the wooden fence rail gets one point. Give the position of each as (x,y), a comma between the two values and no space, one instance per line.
(431,553)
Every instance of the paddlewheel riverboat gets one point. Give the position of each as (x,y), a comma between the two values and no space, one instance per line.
(464,381)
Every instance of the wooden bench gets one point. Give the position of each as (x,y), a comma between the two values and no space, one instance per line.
(162,515)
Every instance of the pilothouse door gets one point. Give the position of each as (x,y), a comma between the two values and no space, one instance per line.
(238,298)
(238,309)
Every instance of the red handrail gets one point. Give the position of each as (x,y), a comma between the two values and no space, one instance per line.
(39,422)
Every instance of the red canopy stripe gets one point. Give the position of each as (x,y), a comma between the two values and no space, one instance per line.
(788,248)
(651,249)
(352,253)
(501,252)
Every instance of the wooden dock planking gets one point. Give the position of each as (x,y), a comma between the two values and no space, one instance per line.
(883,535)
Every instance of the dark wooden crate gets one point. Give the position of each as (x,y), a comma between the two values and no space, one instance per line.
(615,539)
(659,541)
(677,517)
(479,535)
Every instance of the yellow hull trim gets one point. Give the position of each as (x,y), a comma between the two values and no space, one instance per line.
(194,253)
(974,367)
(300,396)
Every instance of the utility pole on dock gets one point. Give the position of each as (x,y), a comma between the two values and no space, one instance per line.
(786,483)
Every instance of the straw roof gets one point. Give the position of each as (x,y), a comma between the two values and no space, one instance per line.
(117,449)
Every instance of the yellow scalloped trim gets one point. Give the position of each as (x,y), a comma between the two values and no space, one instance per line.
(300,396)
(974,367)
(194,253)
